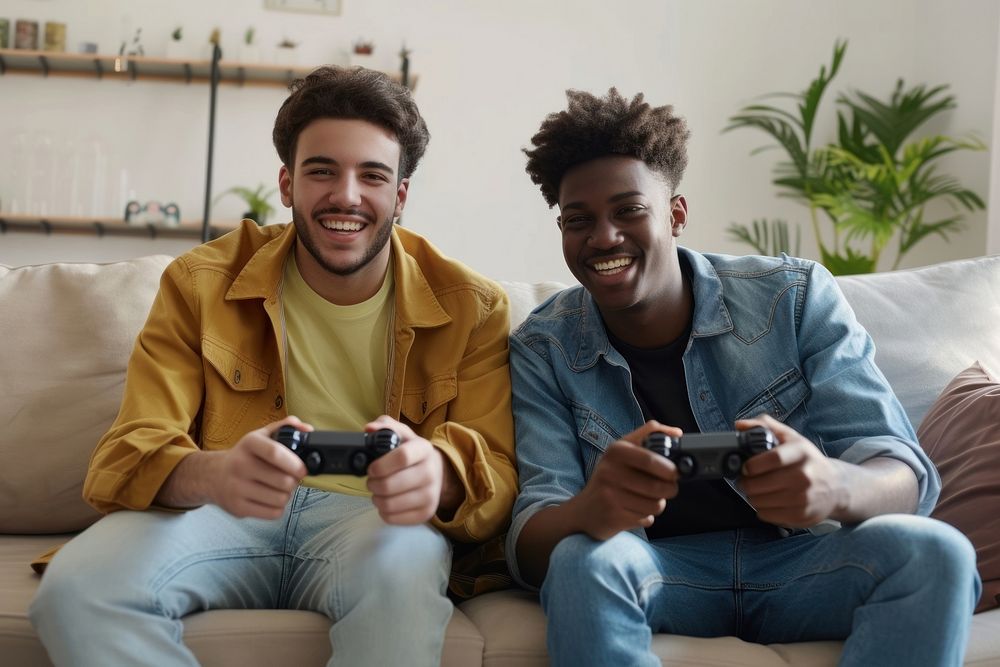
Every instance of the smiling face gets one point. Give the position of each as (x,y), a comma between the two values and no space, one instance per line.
(345,192)
(619,228)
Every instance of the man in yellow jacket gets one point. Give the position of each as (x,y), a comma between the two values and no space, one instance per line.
(340,321)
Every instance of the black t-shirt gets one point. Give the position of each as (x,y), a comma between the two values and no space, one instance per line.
(658,381)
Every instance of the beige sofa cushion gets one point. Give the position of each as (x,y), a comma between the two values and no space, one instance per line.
(67,332)
(929,323)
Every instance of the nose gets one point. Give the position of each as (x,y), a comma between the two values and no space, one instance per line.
(345,193)
(604,234)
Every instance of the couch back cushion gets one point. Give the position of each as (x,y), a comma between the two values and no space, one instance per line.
(67,331)
(929,323)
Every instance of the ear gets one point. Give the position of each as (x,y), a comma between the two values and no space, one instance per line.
(285,186)
(401,190)
(678,214)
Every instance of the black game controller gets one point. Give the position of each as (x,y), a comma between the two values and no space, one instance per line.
(711,455)
(337,452)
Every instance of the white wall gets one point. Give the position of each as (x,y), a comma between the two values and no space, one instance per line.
(489,73)
(993,229)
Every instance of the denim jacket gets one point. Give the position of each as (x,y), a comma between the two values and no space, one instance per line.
(768,334)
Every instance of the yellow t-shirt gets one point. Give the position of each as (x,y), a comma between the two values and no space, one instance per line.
(337,359)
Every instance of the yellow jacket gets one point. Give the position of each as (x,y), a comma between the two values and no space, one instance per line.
(207,368)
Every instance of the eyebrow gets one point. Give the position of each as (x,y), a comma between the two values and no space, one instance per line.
(368,164)
(611,200)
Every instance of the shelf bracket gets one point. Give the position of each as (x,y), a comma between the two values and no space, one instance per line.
(3,226)
(152,230)
(44,62)
(99,227)
(3,66)
(133,70)
(99,68)
(46,226)
(242,78)
(187,73)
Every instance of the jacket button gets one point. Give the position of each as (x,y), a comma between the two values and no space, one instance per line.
(278,402)
(703,396)
(236,376)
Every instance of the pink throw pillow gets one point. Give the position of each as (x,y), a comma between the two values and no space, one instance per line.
(961,434)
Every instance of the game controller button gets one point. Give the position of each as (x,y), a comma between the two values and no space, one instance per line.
(314,462)
(359,462)
(686,466)
(733,464)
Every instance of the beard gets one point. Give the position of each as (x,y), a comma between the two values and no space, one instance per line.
(305,233)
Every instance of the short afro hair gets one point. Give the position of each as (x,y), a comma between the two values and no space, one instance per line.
(352,93)
(593,127)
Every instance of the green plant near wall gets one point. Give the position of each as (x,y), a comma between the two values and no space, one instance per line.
(258,208)
(872,185)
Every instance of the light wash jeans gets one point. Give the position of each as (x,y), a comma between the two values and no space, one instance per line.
(899,588)
(115,595)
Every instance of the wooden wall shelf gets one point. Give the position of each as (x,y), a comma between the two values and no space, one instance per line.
(211,72)
(63,224)
(144,68)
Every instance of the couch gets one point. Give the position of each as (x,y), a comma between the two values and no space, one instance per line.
(66,333)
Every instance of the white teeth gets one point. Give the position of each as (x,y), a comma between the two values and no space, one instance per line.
(342,225)
(612,264)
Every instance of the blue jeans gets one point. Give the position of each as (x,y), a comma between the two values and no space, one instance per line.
(115,595)
(900,589)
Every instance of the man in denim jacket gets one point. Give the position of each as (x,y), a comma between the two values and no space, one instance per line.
(823,537)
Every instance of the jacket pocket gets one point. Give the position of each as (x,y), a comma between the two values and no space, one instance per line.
(230,382)
(780,398)
(416,404)
(595,436)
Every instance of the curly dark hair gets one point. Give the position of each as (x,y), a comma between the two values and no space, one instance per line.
(593,127)
(355,93)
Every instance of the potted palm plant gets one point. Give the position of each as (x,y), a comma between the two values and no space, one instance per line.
(873,184)
(258,208)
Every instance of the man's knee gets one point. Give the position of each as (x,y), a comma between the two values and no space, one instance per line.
(935,548)
(579,558)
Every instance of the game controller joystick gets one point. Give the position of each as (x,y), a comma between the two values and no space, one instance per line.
(337,452)
(711,455)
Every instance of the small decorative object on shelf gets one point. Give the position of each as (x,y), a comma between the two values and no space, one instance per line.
(258,208)
(404,66)
(133,213)
(55,37)
(26,35)
(362,53)
(171,215)
(126,50)
(152,213)
(175,45)
(248,50)
(214,40)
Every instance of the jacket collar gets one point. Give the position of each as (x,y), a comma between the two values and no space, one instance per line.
(416,305)
(261,276)
(710,318)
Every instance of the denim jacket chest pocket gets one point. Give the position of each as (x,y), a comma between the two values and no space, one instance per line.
(231,383)
(594,434)
(780,398)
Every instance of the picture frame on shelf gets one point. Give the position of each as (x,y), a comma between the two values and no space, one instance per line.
(331,7)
